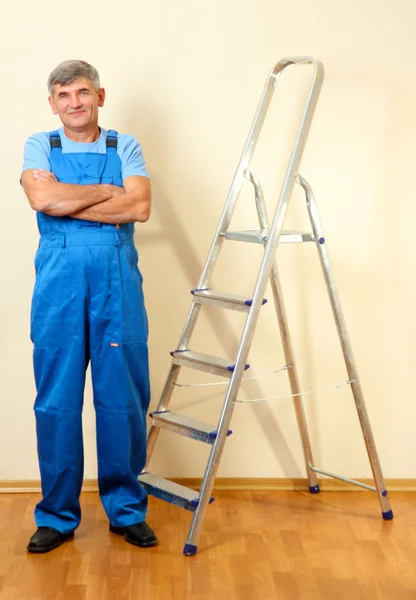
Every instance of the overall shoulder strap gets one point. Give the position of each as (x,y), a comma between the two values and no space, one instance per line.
(111,141)
(55,140)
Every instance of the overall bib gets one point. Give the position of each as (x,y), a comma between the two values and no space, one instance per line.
(88,306)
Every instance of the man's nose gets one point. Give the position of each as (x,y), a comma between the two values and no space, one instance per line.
(74,101)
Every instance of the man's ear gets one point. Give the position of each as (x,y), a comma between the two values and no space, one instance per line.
(101,97)
(52,104)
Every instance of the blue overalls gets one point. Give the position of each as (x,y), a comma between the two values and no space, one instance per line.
(88,306)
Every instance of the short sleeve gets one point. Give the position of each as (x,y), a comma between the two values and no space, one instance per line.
(132,159)
(36,152)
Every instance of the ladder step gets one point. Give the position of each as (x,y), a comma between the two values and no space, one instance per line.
(223,299)
(171,492)
(288,236)
(255,237)
(204,362)
(260,236)
(192,428)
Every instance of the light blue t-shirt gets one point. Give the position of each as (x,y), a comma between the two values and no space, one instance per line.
(37,150)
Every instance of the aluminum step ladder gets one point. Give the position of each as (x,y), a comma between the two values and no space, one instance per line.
(269,236)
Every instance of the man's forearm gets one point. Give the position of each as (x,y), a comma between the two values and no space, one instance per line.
(47,195)
(101,203)
(63,199)
(126,208)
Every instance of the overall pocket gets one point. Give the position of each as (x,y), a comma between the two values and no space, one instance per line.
(39,260)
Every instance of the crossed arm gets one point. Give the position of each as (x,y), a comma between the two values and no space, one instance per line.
(103,203)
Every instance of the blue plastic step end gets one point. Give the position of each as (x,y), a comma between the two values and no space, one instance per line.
(195,502)
(388,515)
(190,550)
(200,290)
(213,434)
(250,302)
(314,489)
(232,368)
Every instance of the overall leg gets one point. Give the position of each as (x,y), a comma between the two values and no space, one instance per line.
(60,359)
(120,375)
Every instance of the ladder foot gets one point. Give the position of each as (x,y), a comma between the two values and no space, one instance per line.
(388,515)
(190,550)
(314,489)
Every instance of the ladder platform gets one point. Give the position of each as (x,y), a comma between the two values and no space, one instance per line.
(171,492)
(224,299)
(187,426)
(204,362)
(260,236)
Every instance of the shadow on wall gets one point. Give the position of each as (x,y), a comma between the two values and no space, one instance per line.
(174,232)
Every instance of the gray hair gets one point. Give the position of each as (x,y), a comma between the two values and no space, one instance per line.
(70,70)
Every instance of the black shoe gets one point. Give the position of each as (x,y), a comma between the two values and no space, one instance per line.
(46,539)
(138,534)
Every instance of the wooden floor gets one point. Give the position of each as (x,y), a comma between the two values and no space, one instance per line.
(255,545)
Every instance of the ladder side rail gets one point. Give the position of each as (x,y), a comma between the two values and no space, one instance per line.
(259,200)
(293,379)
(347,350)
(284,198)
(287,344)
(238,179)
(265,269)
(280,214)
(230,203)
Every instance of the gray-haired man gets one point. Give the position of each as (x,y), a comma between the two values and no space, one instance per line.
(88,186)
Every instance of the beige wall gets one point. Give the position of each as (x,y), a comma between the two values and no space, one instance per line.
(185,78)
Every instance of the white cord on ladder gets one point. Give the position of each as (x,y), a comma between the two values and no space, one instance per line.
(227,382)
(330,387)
(324,389)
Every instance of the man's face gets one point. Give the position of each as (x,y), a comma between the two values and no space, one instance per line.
(77,104)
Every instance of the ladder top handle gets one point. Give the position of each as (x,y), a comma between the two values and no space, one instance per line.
(298,60)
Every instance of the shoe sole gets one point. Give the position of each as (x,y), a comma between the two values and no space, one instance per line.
(35,550)
(120,531)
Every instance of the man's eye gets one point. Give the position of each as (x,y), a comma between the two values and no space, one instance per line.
(84,93)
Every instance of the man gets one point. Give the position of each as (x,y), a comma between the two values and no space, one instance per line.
(88,186)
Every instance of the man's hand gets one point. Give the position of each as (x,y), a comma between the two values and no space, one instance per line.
(43,175)
(133,205)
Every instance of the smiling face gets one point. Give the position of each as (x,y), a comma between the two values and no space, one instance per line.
(77,105)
